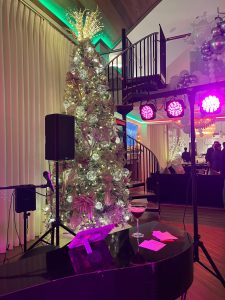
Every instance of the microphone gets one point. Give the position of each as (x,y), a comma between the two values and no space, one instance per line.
(47,176)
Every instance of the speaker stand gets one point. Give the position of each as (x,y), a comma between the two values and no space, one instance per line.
(25,226)
(25,213)
(54,230)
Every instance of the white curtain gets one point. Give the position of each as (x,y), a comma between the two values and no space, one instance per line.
(157,142)
(34,59)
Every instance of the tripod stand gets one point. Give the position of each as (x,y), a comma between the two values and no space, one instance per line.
(197,242)
(26,203)
(54,230)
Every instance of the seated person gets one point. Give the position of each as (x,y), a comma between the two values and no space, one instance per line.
(186,155)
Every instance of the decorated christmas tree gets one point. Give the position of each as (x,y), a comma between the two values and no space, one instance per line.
(94,185)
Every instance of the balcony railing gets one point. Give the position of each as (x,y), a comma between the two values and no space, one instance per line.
(133,68)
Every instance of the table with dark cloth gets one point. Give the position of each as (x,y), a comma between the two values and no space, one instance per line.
(176,189)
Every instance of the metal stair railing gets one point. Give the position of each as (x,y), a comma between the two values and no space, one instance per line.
(162,53)
(140,160)
(140,59)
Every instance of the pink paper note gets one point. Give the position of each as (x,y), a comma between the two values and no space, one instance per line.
(164,236)
(152,245)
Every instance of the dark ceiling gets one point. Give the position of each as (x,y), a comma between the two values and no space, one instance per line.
(116,14)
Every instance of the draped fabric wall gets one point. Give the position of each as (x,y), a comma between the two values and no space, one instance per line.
(34,58)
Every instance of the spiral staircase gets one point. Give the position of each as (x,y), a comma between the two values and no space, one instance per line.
(139,69)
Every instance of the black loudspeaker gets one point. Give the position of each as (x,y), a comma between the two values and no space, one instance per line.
(58,263)
(25,198)
(59,137)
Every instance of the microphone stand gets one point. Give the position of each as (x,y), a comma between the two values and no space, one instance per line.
(54,225)
(25,213)
(57,223)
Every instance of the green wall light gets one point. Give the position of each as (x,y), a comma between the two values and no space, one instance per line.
(129,116)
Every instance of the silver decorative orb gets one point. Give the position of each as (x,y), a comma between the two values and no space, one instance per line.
(69,199)
(206,57)
(205,45)
(206,51)
(180,85)
(217,44)
(91,175)
(193,78)
(216,31)
(99,206)
(222,26)
(205,48)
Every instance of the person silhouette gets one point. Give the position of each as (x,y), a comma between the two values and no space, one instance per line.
(209,156)
(186,155)
(222,171)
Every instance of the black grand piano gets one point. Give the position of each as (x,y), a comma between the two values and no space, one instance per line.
(117,269)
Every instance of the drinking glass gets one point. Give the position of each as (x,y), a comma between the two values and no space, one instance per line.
(137,210)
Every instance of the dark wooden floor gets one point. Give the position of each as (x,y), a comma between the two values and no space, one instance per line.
(211,227)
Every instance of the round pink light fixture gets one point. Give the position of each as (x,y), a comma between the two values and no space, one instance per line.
(147,112)
(175,108)
(210,104)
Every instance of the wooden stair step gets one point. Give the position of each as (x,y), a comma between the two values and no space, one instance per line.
(142,195)
(150,206)
(154,80)
(153,208)
(134,184)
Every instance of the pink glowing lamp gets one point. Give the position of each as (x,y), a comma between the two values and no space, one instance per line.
(210,105)
(147,112)
(175,108)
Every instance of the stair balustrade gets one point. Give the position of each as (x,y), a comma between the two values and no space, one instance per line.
(141,161)
(138,69)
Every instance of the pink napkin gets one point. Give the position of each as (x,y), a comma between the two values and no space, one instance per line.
(152,245)
(164,236)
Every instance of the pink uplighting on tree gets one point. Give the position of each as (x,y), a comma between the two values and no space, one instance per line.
(175,108)
(210,104)
(147,112)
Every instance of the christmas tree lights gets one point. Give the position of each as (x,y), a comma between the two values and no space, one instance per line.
(93,187)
